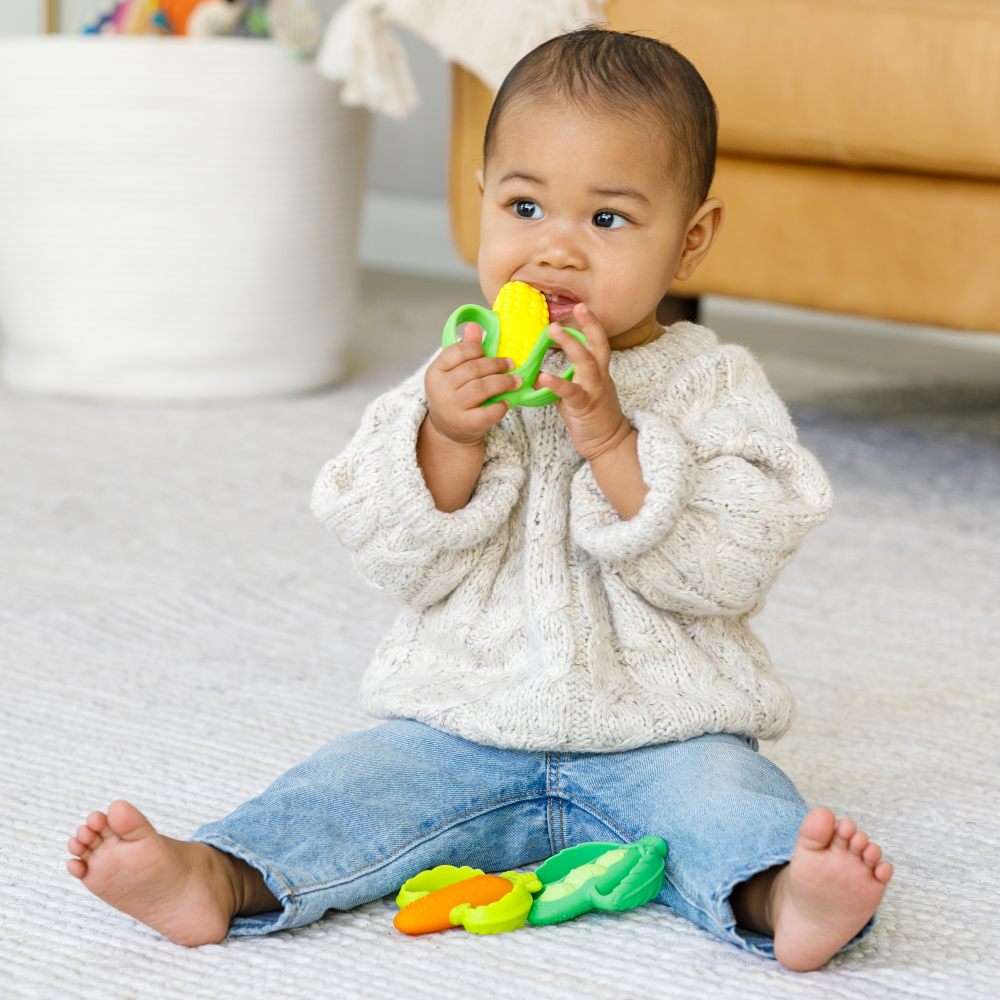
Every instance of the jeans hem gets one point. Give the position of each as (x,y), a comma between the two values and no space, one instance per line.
(258,923)
(759,944)
(722,908)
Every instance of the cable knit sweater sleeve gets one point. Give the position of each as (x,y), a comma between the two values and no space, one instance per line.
(731,492)
(373,496)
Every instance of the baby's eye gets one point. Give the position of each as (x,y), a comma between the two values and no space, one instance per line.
(609,220)
(527,209)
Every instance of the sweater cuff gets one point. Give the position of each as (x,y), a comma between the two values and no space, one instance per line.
(667,469)
(489,507)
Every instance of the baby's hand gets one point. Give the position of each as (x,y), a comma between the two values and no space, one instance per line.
(589,403)
(459,380)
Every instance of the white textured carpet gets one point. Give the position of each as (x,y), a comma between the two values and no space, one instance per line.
(176,629)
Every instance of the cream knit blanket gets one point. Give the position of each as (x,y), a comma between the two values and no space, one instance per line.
(486,38)
(536,617)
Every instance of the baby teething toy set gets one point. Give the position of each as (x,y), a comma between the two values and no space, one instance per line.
(591,876)
(514,328)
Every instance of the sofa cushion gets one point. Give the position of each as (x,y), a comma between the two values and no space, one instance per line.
(899,246)
(898,84)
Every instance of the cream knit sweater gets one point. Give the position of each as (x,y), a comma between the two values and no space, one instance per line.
(537,618)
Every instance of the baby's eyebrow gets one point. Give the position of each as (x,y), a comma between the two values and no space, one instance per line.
(633,193)
(621,193)
(519,175)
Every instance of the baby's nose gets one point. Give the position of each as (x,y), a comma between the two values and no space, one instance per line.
(559,248)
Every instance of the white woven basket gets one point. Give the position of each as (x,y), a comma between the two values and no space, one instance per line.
(178,218)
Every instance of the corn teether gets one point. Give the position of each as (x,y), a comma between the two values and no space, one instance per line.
(516,327)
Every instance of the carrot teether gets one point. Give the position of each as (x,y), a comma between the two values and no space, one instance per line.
(516,328)
(432,912)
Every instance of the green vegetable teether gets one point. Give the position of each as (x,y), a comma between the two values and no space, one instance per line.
(598,876)
(515,328)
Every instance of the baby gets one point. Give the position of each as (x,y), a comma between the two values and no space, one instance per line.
(573,661)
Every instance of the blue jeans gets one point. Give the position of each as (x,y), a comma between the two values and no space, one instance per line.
(373,808)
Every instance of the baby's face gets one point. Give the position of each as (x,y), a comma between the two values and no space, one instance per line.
(582,207)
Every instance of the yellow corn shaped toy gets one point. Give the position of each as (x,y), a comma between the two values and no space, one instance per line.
(516,328)
(523,314)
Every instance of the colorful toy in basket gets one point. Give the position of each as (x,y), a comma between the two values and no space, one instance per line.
(295,24)
(515,328)
(592,876)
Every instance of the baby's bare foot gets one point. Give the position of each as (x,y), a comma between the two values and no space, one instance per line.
(179,888)
(827,892)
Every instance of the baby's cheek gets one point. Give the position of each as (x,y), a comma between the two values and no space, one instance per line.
(614,312)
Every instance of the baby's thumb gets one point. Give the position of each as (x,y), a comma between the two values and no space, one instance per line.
(472,333)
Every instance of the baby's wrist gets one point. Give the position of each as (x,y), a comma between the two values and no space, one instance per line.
(440,434)
(611,442)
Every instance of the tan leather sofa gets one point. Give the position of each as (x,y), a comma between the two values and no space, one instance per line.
(859,151)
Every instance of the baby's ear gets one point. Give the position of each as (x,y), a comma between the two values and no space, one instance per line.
(702,230)
(479,181)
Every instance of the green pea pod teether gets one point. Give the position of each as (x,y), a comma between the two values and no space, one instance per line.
(598,877)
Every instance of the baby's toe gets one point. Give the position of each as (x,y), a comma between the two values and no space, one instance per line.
(97,821)
(844,832)
(76,867)
(817,829)
(883,872)
(871,854)
(87,836)
(858,842)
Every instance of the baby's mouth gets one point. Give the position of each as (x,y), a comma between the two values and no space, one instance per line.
(560,306)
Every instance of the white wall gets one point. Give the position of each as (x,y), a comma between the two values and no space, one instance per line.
(405,225)
(20,17)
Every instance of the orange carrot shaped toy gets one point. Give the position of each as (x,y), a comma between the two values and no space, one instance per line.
(433,911)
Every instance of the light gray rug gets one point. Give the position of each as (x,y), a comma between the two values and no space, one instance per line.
(177,629)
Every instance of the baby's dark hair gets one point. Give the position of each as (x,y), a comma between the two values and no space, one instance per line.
(627,75)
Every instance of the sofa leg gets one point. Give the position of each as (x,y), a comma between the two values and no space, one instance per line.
(673,308)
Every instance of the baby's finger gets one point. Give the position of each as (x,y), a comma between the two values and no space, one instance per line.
(567,391)
(478,391)
(473,333)
(477,368)
(583,360)
(482,418)
(590,327)
(470,346)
